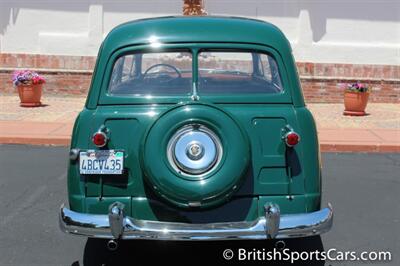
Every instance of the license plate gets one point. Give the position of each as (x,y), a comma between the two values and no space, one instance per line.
(104,162)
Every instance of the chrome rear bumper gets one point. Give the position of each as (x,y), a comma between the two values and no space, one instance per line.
(116,225)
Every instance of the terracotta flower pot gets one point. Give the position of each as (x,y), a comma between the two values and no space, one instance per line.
(30,95)
(355,103)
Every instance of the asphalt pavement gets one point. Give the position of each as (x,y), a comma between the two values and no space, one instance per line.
(363,188)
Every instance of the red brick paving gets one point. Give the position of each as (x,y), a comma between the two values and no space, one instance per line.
(52,125)
(359,140)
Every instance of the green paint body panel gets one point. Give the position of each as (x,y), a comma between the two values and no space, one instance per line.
(269,171)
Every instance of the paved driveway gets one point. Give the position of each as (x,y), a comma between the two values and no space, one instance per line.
(364,190)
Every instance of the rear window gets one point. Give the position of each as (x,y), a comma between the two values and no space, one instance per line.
(148,74)
(238,73)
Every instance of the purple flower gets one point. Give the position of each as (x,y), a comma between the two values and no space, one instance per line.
(26,77)
(357,87)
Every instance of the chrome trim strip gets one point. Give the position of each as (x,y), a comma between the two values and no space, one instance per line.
(290,226)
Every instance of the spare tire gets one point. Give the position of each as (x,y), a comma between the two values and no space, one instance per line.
(195,155)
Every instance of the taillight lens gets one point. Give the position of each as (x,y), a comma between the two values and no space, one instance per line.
(292,138)
(100,139)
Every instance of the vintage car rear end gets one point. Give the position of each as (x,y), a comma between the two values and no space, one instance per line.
(195,129)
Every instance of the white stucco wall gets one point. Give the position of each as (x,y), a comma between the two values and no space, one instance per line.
(354,31)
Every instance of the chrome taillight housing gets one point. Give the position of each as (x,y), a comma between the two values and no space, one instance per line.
(291,138)
(100,139)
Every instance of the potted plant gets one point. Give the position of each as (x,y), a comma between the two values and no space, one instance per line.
(193,8)
(29,85)
(355,99)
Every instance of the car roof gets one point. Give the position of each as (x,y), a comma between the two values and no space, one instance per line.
(195,29)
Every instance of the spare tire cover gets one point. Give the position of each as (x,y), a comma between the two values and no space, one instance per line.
(195,155)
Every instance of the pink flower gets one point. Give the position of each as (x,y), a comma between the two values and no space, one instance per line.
(26,77)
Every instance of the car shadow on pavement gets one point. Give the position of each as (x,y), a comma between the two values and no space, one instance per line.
(142,252)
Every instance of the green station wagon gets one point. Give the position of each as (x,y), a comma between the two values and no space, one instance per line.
(195,128)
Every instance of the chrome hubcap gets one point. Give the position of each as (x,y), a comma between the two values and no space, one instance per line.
(194,150)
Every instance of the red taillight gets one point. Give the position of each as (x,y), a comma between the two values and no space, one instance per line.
(292,138)
(100,139)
